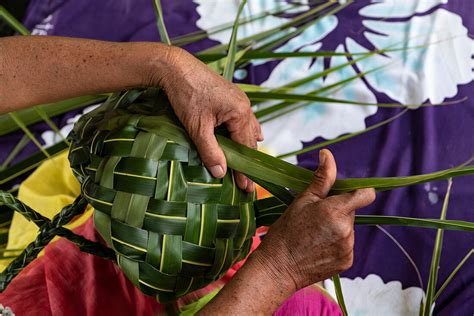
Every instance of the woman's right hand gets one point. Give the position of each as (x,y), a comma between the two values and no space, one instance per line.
(314,239)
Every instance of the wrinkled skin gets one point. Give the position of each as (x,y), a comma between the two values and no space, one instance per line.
(71,67)
(203,100)
(312,241)
(314,238)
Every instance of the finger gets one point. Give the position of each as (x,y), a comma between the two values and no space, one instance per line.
(324,176)
(348,202)
(209,150)
(245,137)
(241,130)
(258,134)
(257,129)
(244,183)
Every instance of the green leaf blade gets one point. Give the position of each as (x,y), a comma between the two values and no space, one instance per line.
(340,297)
(231,56)
(161,23)
(438,246)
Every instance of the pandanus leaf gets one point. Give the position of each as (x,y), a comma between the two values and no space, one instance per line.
(438,246)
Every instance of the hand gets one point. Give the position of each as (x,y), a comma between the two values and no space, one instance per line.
(203,100)
(314,239)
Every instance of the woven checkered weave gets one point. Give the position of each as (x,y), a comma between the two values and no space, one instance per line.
(173,226)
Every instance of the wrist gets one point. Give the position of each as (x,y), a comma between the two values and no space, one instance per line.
(275,270)
(256,277)
(278,258)
(161,65)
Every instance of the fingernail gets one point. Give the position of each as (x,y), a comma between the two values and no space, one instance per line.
(245,183)
(322,157)
(217,171)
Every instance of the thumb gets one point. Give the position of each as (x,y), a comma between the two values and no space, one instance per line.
(324,176)
(209,150)
(348,202)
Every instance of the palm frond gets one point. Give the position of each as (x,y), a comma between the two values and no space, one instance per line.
(265,34)
(340,297)
(343,137)
(13,22)
(200,35)
(161,23)
(28,133)
(230,62)
(30,116)
(16,150)
(453,274)
(438,246)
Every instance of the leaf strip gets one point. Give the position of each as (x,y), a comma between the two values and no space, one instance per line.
(230,62)
(343,137)
(161,23)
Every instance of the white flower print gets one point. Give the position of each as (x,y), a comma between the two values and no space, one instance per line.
(371,296)
(430,69)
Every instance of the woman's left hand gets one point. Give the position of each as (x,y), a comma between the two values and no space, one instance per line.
(203,100)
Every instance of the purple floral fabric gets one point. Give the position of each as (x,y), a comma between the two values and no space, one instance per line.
(423,140)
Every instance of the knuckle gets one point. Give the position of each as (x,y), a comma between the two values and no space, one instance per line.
(244,100)
(347,262)
(240,111)
(371,195)
(246,103)
(344,243)
(323,208)
(196,129)
(244,111)
(366,195)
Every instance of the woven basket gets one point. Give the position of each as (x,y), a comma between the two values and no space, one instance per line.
(173,226)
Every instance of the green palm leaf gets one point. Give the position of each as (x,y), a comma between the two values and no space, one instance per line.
(199,35)
(289,97)
(30,116)
(453,274)
(16,150)
(28,133)
(13,22)
(300,29)
(262,166)
(30,163)
(230,61)
(343,137)
(161,23)
(431,287)
(340,297)
(266,34)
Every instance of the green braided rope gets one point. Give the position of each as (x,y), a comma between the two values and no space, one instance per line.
(48,230)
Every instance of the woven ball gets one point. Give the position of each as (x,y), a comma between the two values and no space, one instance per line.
(174,227)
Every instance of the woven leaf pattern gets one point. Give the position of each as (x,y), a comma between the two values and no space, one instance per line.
(174,227)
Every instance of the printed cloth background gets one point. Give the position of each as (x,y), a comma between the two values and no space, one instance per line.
(382,281)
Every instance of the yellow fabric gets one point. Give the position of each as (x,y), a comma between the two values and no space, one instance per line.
(47,190)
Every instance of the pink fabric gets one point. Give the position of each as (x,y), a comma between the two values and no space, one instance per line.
(66,281)
(308,301)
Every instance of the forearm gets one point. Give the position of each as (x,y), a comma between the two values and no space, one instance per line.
(35,70)
(254,290)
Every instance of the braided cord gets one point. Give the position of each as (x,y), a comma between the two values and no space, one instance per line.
(48,230)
